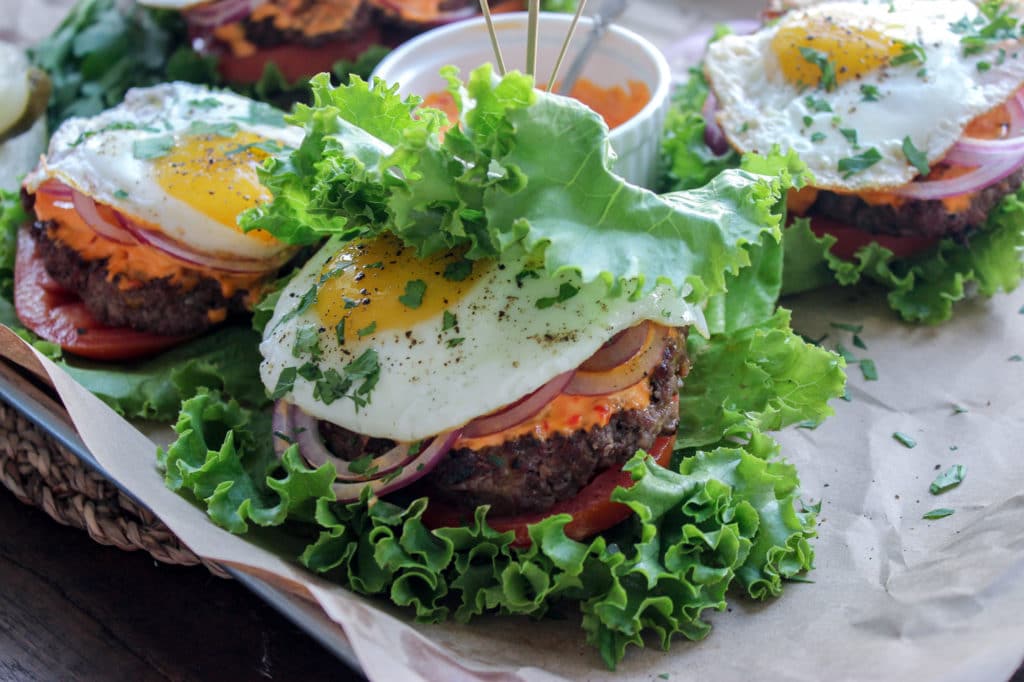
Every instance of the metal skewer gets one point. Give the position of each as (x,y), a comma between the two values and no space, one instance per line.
(606,13)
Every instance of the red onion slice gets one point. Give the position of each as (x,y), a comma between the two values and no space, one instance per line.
(175,249)
(617,350)
(980,178)
(519,411)
(714,136)
(636,369)
(313,450)
(213,14)
(86,209)
(416,469)
(970,151)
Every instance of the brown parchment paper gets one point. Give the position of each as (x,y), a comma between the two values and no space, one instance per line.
(894,598)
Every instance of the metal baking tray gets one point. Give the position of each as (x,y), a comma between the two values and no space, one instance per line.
(43,413)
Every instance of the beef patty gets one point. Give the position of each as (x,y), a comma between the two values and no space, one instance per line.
(530,475)
(155,306)
(914,218)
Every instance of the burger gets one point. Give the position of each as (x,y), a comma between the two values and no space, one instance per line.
(306,37)
(477,379)
(907,114)
(132,245)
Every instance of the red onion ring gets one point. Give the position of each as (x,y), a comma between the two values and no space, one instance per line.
(86,209)
(175,249)
(634,370)
(313,450)
(213,14)
(714,136)
(617,350)
(981,177)
(416,469)
(519,411)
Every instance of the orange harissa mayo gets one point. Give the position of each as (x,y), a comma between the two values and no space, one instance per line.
(568,413)
(135,264)
(615,104)
(992,125)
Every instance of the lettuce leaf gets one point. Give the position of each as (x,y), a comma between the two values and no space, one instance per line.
(724,515)
(368,164)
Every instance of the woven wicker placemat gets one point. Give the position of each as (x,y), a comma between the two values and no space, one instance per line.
(42,473)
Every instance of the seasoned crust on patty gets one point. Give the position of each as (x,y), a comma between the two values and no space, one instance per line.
(155,306)
(529,475)
(914,218)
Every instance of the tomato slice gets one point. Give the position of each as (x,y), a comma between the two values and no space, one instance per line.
(59,315)
(850,239)
(591,509)
(296,61)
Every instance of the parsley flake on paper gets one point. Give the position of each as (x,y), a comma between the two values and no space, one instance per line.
(868,369)
(937,514)
(948,479)
(904,439)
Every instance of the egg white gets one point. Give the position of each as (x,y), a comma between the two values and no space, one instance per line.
(510,348)
(759,108)
(95,156)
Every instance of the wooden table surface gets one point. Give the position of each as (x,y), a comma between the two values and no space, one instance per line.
(71,609)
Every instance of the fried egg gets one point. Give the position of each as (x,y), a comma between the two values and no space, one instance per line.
(847,84)
(451,340)
(176,157)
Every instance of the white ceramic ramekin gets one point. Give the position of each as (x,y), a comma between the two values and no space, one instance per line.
(620,56)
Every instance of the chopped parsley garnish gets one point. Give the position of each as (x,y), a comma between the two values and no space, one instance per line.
(937,514)
(307,340)
(285,383)
(915,156)
(904,439)
(268,146)
(859,342)
(821,60)
(335,385)
(994,23)
(809,424)
(205,103)
(307,299)
(948,479)
(448,321)
(120,125)
(120,194)
(264,114)
(152,147)
(869,93)
(458,271)
(984,66)
(452,343)
(861,162)
(362,465)
(309,371)
(959,409)
(808,121)
(868,369)
(339,331)
(218,129)
(1015,358)
(816,104)
(851,135)
(367,330)
(910,53)
(818,137)
(524,275)
(565,292)
(844,352)
(413,296)
(349,302)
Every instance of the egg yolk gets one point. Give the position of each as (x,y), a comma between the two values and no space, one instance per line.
(852,52)
(216,175)
(382,285)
